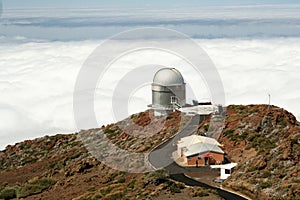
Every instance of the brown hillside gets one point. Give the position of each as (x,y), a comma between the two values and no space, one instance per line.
(60,167)
(266,145)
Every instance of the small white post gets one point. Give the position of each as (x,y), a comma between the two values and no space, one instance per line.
(269,103)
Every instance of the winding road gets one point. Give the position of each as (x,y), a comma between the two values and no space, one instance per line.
(161,157)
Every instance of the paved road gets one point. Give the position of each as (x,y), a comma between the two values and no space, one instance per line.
(161,157)
(192,182)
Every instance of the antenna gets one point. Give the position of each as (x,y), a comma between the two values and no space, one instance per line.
(269,103)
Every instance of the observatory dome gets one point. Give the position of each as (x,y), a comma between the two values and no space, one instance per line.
(168,77)
(168,91)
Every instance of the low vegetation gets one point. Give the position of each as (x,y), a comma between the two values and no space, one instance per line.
(60,167)
(266,146)
(27,189)
(265,143)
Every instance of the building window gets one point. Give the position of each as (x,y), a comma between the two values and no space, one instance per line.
(174,99)
(199,157)
(189,158)
(227,171)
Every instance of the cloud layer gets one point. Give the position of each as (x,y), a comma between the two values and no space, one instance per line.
(37,80)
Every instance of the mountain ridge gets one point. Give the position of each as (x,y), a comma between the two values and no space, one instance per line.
(264,141)
(54,167)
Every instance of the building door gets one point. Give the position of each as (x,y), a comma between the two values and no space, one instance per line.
(206,161)
(175,102)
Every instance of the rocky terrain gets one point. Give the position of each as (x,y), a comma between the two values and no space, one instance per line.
(265,142)
(60,167)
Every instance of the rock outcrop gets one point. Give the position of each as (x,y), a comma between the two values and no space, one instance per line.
(265,142)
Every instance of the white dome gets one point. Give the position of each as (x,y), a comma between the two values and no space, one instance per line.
(168,77)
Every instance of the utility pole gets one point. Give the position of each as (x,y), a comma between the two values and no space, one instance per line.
(268,116)
(269,103)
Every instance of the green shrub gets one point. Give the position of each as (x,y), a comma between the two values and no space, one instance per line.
(98,196)
(114,196)
(35,187)
(121,180)
(75,155)
(229,132)
(206,126)
(266,174)
(200,194)
(254,111)
(52,165)
(253,168)
(132,184)
(252,136)
(111,133)
(105,191)
(296,180)
(92,189)
(169,117)
(283,123)
(261,143)
(153,176)
(8,193)
(264,185)
(45,182)
(175,187)
(29,189)
(258,141)
(147,147)
(239,137)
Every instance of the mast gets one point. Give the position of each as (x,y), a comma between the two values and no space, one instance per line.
(269,103)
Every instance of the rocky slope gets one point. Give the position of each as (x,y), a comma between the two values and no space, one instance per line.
(265,142)
(60,167)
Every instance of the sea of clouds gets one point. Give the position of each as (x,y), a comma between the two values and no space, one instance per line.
(37,81)
(42,50)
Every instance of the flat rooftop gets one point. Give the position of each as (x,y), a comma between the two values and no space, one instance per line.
(200,109)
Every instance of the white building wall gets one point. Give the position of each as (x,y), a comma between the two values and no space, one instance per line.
(223,174)
(179,151)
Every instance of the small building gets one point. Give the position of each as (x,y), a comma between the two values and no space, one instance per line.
(204,110)
(193,139)
(200,151)
(225,170)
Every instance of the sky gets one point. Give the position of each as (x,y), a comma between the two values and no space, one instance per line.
(255,46)
(133,3)
(230,21)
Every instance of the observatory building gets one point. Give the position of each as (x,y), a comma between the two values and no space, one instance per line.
(169,94)
(168,91)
